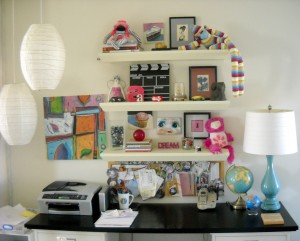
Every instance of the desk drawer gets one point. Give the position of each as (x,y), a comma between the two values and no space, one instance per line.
(28,236)
(251,237)
(45,235)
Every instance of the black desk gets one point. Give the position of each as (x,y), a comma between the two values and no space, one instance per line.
(170,218)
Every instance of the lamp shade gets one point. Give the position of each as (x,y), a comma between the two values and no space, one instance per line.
(42,57)
(18,114)
(270,132)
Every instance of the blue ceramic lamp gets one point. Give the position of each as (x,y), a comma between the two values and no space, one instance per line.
(270,132)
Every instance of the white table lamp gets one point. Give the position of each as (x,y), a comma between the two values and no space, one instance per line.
(270,132)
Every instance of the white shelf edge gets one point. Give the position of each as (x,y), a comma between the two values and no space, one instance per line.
(165,106)
(163,55)
(164,155)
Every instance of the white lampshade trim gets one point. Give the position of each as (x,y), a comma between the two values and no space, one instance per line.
(270,132)
(18,114)
(42,57)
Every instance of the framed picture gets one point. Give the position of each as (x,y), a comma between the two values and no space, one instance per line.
(201,79)
(194,125)
(181,31)
(168,125)
(153,32)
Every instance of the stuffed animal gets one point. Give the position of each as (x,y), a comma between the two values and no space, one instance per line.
(218,138)
(215,39)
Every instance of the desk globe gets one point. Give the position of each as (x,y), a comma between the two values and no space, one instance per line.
(239,180)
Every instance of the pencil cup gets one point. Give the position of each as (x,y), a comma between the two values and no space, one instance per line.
(252,204)
(125,199)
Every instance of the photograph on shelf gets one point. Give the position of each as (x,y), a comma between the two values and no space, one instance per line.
(194,124)
(140,120)
(181,31)
(201,79)
(153,32)
(168,125)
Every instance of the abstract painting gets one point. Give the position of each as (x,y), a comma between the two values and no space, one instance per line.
(74,127)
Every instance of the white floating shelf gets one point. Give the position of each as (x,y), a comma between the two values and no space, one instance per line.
(164,155)
(165,106)
(163,55)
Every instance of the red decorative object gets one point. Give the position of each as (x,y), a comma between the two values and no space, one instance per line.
(135,93)
(168,145)
(139,135)
(157,98)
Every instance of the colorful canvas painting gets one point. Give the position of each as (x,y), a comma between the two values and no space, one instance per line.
(74,127)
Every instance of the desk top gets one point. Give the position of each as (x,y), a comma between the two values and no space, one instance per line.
(170,218)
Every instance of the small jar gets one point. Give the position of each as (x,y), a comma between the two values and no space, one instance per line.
(187,143)
(117,136)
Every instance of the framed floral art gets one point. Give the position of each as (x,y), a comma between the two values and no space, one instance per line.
(200,79)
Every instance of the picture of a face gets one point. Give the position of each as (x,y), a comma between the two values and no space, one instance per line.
(182,32)
(168,126)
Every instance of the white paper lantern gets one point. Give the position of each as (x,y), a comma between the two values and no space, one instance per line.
(42,57)
(18,114)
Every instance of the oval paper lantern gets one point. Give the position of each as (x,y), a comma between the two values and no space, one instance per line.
(42,57)
(18,114)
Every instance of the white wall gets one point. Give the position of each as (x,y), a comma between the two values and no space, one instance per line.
(4,194)
(266,32)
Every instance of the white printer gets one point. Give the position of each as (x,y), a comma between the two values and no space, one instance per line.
(69,197)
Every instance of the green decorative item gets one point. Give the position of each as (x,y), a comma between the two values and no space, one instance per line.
(239,180)
(85,152)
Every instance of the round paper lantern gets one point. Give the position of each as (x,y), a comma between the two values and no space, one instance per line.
(18,114)
(42,57)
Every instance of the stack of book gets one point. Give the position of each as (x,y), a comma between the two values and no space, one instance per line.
(127,47)
(135,146)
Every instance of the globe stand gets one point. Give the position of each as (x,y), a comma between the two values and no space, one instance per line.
(239,203)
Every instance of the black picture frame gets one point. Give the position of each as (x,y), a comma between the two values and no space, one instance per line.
(194,124)
(181,31)
(200,80)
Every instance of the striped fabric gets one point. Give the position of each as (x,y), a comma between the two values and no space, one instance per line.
(215,39)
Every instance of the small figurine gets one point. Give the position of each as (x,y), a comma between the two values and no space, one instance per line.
(119,38)
(218,91)
(116,93)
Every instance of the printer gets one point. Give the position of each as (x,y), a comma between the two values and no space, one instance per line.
(70,197)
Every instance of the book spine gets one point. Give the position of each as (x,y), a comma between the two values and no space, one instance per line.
(138,150)
(138,146)
(138,143)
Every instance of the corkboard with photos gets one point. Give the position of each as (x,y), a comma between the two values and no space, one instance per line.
(178,178)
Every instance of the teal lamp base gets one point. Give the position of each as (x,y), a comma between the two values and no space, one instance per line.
(270,187)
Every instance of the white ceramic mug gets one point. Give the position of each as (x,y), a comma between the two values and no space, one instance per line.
(125,199)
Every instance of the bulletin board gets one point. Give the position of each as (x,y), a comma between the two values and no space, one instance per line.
(183,175)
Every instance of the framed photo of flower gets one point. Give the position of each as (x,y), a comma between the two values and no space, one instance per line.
(194,124)
(201,79)
(181,31)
